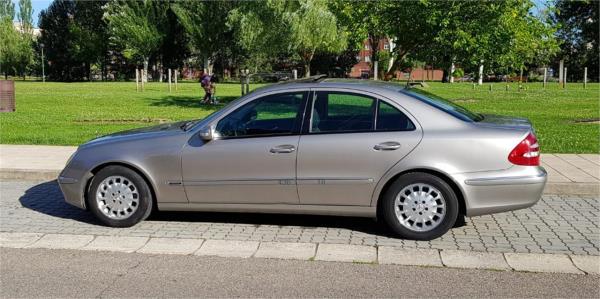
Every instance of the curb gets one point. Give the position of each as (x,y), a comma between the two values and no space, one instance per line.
(520,262)
(29,174)
(551,188)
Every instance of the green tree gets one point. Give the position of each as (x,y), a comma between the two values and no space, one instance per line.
(89,33)
(59,46)
(16,52)
(303,28)
(205,23)
(137,26)
(364,21)
(500,34)
(8,37)
(314,28)
(25,45)
(578,22)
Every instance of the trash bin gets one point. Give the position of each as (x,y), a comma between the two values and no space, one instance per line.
(7,96)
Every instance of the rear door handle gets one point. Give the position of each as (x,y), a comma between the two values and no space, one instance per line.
(283,149)
(387,146)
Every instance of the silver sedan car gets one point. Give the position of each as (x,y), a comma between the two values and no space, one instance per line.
(317,146)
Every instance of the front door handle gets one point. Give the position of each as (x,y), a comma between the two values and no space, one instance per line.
(387,146)
(283,149)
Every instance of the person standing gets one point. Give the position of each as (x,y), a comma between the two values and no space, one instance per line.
(209,85)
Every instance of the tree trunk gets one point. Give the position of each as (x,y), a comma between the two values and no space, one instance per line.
(374,43)
(306,69)
(451,74)
(307,57)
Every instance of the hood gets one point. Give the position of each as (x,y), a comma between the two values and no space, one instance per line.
(505,122)
(146,132)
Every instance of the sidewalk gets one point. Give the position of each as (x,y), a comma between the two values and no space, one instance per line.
(567,173)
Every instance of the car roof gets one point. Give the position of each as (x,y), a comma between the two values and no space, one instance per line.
(320,82)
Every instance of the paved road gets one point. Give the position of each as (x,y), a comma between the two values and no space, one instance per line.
(557,224)
(64,273)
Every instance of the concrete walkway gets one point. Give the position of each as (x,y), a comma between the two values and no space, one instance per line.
(567,173)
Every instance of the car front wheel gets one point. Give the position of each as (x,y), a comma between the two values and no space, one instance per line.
(119,197)
(420,206)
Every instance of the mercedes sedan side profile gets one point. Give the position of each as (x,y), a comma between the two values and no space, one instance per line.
(317,146)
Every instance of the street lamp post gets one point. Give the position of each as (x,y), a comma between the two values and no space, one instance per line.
(43,71)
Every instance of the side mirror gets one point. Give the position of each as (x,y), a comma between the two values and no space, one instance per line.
(207,133)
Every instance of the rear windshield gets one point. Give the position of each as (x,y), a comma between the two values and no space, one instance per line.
(444,105)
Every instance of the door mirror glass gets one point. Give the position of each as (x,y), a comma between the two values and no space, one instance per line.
(207,133)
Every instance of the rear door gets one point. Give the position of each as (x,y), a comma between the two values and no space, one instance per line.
(349,142)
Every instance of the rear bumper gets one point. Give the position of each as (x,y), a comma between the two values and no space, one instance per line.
(493,192)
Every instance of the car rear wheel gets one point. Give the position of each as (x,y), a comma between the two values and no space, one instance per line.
(420,206)
(119,197)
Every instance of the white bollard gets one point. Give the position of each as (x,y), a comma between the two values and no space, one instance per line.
(585,77)
(561,67)
(176,73)
(295,72)
(480,79)
(137,79)
(169,80)
(545,76)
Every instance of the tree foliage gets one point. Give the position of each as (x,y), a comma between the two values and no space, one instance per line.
(578,23)
(16,52)
(137,26)
(301,28)
(205,23)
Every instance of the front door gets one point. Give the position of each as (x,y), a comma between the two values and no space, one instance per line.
(254,159)
(352,140)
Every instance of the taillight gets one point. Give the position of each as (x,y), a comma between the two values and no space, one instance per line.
(527,152)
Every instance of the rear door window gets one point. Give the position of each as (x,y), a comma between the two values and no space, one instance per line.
(391,119)
(342,112)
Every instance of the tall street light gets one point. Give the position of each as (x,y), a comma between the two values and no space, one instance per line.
(43,71)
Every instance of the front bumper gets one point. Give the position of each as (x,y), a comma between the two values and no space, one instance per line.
(493,192)
(73,188)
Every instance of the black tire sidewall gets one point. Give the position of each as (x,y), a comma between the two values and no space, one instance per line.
(404,180)
(145,203)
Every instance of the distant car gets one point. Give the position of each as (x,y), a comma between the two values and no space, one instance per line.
(332,147)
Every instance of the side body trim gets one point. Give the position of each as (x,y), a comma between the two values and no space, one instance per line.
(277,181)
(357,211)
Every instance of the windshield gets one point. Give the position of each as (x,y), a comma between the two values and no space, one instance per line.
(443,104)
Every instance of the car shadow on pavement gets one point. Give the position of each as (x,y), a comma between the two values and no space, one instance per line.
(360,224)
(46,198)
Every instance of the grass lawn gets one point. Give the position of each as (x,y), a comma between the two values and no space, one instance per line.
(72,113)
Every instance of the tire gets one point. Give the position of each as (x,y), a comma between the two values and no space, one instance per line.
(119,197)
(421,193)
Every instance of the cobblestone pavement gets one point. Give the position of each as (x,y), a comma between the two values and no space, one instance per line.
(557,224)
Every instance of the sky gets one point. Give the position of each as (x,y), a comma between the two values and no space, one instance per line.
(39,5)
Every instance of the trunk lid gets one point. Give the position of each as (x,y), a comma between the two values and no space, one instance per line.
(503,121)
